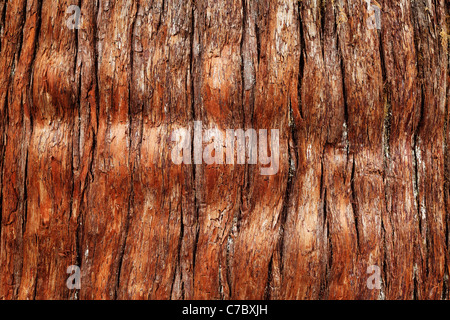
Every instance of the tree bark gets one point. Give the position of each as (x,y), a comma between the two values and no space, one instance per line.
(87,178)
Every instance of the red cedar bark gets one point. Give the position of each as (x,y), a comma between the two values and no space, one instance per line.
(162,202)
(85,151)
(49,239)
(402,112)
(274,76)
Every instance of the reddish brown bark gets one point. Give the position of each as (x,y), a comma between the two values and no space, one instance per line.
(87,178)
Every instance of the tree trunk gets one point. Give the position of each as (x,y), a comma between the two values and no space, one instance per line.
(87,178)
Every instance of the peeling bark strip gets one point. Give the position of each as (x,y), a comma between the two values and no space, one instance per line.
(87,179)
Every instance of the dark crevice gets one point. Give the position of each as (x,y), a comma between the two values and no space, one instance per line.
(415,286)
(195,244)
(178,268)
(387,110)
(221,293)
(244,187)
(83,185)
(293,156)
(446,201)
(4,122)
(258,41)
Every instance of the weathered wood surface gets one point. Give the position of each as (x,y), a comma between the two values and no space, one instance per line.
(87,177)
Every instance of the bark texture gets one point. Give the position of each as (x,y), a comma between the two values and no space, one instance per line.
(86,175)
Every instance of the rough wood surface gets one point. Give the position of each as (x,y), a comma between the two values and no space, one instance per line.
(87,179)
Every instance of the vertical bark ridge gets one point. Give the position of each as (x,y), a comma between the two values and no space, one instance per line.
(154,265)
(17,131)
(447,162)
(3,6)
(218,104)
(276,49)
(87,178)
(359,46)
(87,125)
(48,244)
(105,224)
(402,107)
(305,238)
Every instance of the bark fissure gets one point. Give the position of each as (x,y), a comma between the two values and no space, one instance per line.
(28,137)
(195,118)
(354,204)
(3,7)
(131,164)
